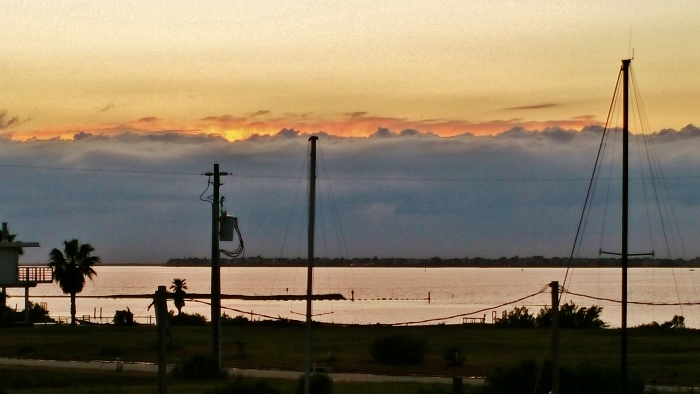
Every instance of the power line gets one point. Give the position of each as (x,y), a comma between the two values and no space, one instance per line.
(340,178)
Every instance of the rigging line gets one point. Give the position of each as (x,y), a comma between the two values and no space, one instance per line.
(590,183)
(250,312)
(322,220)
(657,161)
(644,187)
(650,160)
(335,216)
(294,203)
(661,218)
(544,357)
(465,314)
(305,207)
(609,183)
(633,302)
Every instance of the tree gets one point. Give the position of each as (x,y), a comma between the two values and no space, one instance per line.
(519,317)
(178,287)
(572,316)
(71,267)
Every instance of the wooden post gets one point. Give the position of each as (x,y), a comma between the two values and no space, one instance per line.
(159,302)
(26,303)
(215,274)
(555,337)
(310,267)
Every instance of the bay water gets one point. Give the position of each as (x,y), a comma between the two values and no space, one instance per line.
(386,295)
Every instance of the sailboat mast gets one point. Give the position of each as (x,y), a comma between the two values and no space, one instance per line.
(625,216)
(309,275)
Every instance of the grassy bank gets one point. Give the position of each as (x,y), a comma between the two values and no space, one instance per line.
(661,356)
(24,380)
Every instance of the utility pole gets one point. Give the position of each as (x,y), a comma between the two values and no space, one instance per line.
(555,337)
(215,268)
(310,269)
(625,219)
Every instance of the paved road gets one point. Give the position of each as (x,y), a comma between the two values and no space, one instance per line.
(273,373)
(257,373)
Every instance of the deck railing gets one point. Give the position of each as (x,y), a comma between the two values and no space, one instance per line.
(41,274)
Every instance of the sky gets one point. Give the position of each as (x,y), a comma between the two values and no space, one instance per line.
(448,128)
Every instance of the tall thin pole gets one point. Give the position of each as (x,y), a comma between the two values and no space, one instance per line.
(555,337)
(159,301)
(625,219)
(309,272)
(215,269)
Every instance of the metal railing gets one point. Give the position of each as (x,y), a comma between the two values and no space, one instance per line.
(41,274)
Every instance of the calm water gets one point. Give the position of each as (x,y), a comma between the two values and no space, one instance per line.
(389,295)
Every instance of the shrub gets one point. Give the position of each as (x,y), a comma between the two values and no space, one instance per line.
(318,384)
(241,385)
(198,367)
(678,322)
(453,355)
(518,379)
(239,320)
(123,318)
(398,349)
(584,379)
(572,316)
(26,347)
(186,319)
(37,314)
(519,317)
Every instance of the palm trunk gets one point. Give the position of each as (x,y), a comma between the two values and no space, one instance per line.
(72,309)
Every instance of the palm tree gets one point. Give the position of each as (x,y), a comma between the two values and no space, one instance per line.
(178,287)
(71,267)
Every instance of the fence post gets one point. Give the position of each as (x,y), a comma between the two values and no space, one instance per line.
(159,302)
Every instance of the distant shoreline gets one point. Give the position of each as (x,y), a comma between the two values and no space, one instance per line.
(435,262)
(503,262)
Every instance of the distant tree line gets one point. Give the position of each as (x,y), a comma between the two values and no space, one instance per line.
(516,261)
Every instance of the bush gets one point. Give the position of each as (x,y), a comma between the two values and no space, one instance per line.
(198,367)
(245,386)
(318,384)
(186,319)
(519,317)
(572,316)
(584,379)
(678,322)
(398,349)
(239,320)
(518,379)
(37,314)
(123,318)
(453,355)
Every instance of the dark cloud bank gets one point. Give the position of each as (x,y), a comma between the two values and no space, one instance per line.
(394,194)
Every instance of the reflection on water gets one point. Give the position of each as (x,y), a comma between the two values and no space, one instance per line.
(388,295)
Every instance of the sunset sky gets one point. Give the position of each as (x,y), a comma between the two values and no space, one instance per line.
(91,92)
(243,67)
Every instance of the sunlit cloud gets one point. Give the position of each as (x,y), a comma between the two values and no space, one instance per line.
(106,107)
(264,122)
(7,121)
(517,192)
(536,106)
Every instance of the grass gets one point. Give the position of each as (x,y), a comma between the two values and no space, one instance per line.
(659,356)
(26,380)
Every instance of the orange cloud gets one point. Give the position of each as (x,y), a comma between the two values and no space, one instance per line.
(360,124)
(351,124)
